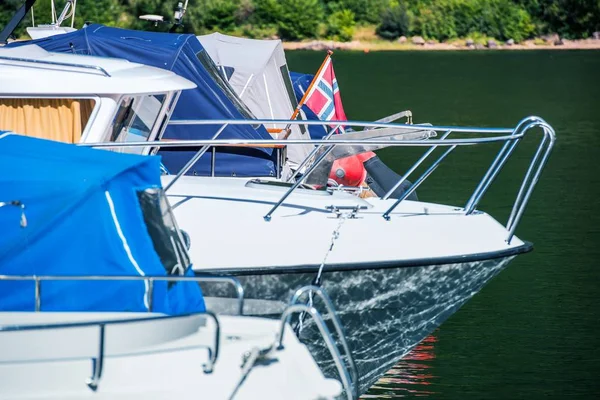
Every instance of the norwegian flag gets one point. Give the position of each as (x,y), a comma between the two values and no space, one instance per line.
(324,97)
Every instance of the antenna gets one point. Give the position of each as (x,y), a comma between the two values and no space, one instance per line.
(180,11)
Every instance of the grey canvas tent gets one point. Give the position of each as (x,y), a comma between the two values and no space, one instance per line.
(257,71)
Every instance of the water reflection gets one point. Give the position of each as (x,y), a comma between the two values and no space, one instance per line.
(412,376)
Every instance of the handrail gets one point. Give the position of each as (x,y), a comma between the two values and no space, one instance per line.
(98,363)
(364,124)
(510,137)
(319,291)
(91,68)
(325,333)
(39,278)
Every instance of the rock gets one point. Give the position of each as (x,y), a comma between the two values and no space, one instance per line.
(559,42)
(469,43)
(402,39)
(596,35)
(418,40)
(479,46)
(491,44)
(551,38)
(431,42)
(510,42)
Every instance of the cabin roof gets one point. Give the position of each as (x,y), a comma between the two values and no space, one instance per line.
(31,70)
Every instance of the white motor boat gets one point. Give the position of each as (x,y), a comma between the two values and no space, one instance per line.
(150,356)
(94,301)
(395,268)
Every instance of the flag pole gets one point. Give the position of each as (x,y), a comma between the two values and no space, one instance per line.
(303,99)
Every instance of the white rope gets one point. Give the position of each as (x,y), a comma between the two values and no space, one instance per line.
(317,282)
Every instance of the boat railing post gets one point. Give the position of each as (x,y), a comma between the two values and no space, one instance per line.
(325,334)
(418,182)
(239,289)
(38,293)
(530,182)
(312,154)
(497,165)
(213,354)
(267,217)
(337,324)
(194,159)
(150,294)
(414,167)
(97,363)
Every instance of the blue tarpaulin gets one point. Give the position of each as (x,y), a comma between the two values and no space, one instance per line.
(68,210)
(184,55)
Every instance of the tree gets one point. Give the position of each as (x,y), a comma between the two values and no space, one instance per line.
(395,22)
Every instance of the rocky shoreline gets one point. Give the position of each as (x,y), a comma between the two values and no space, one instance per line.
(548,42)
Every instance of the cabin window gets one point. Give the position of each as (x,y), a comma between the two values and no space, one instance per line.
(135,120)
(166,237)
(59,119)
(218,78)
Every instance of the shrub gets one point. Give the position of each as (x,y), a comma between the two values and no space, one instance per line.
(299,19)
(395,22)
(340,25)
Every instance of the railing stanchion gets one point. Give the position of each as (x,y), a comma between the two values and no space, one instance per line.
(414,186)
(267,217)
(194,159)
(38,294)
(413,168)
(312,154)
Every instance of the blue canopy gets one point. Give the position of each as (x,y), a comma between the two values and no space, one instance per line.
(68,210)
(301,82)
(212,99)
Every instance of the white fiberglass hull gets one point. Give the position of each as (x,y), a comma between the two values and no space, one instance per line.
(151,360)
(392,282)
(224,219)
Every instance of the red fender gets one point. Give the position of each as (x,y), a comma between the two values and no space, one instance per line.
(350,171)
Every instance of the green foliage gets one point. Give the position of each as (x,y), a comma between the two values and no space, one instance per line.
(568,18)
(299,19)
(395,22)
(303,19)
(340,25)
(448,19)
(368,11)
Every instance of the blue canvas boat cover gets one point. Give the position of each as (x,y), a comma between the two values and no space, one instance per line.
(212,99)
(68,210)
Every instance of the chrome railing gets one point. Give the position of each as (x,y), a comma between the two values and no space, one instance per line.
(510,138)
(349,376)
(98,361)
(326,335)
(36,63)
(38,279)
(337,324)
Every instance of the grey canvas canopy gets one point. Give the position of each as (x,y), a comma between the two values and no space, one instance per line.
(257,71)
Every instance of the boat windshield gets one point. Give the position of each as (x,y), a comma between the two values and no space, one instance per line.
(166,237)
(135,120)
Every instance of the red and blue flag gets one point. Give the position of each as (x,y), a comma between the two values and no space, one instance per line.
(324,97)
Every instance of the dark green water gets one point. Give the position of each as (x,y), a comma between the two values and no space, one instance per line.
(533,331)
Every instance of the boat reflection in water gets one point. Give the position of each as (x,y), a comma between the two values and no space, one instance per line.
(412,376)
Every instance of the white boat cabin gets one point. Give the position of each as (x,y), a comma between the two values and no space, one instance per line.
(75,98)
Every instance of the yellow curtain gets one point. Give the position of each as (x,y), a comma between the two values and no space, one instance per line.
(62,120)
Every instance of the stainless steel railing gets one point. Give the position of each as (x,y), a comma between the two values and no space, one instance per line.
(510,137)
(349,377)
(38,279)
(337,324)
(98,362)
